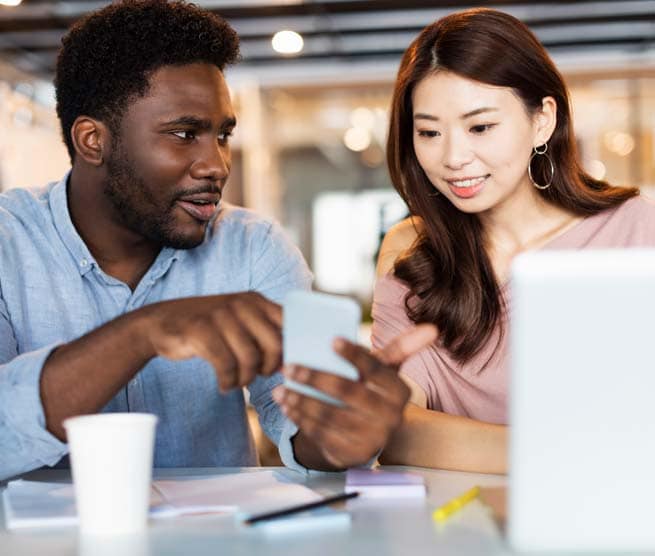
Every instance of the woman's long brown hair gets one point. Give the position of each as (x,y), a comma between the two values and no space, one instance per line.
(449,273)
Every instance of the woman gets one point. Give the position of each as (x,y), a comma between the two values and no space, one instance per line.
(481,148)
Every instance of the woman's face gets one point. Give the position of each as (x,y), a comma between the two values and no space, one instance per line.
(474,140)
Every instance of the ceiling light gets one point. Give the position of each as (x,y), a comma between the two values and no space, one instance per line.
(362,117)
(11,3)
(287,42)
(357,139)
(619,142)
(597,169)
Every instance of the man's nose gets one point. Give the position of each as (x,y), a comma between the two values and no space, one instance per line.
(213,162)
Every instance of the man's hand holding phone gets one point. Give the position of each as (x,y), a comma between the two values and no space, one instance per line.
(370,401)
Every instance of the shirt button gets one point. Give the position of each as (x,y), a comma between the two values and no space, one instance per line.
(134,382)
(83,263)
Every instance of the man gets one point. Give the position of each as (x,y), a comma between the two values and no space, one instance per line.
(126,287)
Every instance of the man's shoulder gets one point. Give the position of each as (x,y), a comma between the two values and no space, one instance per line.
(25,197)
(236,234)
(24,207)
(232,216)
(243,244)
(238,225)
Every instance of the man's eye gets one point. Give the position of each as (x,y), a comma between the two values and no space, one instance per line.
(428,133)
(481,128)
(224,136)
(186,135)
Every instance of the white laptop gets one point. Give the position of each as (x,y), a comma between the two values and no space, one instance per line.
(582,401)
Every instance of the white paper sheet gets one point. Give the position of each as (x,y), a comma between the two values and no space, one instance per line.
(31,504)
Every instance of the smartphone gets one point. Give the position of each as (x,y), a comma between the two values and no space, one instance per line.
(311,322)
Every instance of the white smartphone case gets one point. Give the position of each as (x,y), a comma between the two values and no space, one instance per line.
(311,322)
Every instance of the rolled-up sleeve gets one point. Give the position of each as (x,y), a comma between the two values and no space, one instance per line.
(278,267)
(275,425)
(25,444)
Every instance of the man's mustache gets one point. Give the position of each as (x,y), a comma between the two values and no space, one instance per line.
(212,189)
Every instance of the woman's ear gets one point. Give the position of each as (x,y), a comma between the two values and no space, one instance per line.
(545,121)
(91,139)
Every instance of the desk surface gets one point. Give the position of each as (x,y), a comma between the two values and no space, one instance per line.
(380,529)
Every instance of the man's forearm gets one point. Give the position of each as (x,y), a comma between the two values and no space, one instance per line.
(434,439)
(82,376)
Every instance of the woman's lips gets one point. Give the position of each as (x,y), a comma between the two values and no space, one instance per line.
(467,188)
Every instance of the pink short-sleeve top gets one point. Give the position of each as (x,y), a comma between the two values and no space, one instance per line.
(478,388)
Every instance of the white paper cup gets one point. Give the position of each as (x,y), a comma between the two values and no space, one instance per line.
(137,544)
(111,461)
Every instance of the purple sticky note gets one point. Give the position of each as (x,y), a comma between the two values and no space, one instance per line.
(385,484)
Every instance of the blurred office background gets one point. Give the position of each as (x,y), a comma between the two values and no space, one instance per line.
(309,147)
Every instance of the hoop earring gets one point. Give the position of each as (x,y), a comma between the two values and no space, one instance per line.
(541,151)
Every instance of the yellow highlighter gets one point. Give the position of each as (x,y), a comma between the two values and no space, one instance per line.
(442,513)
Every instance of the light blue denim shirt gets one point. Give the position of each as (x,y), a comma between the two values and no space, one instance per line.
(52,291)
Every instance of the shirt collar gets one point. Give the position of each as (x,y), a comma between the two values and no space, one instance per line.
(75,244)
(66,229)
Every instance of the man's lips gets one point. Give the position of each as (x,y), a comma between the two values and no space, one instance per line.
(199,212)
(202,206)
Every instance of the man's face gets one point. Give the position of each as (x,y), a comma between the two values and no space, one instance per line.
(170,159)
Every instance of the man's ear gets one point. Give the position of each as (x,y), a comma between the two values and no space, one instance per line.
(546,120)
(91,139)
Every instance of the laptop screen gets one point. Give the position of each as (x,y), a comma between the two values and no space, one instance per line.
(582,400)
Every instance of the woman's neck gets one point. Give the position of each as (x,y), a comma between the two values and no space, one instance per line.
(523,223)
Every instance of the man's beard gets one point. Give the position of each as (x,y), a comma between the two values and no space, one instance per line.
(136,206)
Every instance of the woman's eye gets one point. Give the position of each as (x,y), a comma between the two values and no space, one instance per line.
(186,135)
(482,128)
(428,133)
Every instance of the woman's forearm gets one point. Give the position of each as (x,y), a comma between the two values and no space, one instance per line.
(429,438)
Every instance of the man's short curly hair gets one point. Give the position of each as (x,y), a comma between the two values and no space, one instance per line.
(108,56)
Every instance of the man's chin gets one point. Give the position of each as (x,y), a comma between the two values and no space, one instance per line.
(180,241)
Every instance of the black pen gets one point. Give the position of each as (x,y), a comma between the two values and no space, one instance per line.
(301,507)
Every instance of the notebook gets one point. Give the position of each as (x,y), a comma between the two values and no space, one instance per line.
(375,483)
(582,435)
(32,504)
(306,523)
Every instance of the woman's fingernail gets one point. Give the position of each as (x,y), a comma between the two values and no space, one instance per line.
(288,370)
(278,394)
(339,344)
(301,374)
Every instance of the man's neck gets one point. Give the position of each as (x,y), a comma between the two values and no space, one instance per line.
(120,252)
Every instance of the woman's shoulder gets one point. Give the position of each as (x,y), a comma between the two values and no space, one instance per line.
(634,216)
(631,224)
(397,241)
(642,205)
